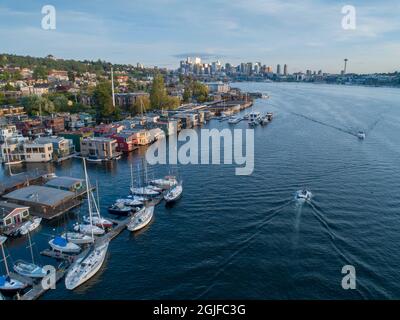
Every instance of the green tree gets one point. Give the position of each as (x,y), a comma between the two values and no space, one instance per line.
(9,87)
(171,103)
(60,102)
(34,104)
(40,72)
(142,103)
(2,98)
(102,97)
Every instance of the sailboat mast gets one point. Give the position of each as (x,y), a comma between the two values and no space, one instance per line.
(4,257)
(88,196)
(8,157)
(112,87)
(131,175)
(30,247)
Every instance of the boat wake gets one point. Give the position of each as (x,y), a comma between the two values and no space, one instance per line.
(244,244)
(325,124)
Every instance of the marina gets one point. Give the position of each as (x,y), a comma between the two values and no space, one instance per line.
(208,243)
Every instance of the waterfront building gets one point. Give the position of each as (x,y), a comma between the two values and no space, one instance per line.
(99,148)
(7,131)
(31,127)
(285,70)
(77,136)
(278,69)
(11,111)
(66,183)
(218,87)
(62,147)
(37,152)
(156,134)
(126,141)
(55,124)
(141,137)
(12,214)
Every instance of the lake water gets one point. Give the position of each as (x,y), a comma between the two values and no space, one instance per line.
(244,236)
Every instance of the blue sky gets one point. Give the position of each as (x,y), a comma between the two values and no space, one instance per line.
(305,34)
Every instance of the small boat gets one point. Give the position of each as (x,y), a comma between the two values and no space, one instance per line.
(361,135)
(270,115)
(7,283)
(303,195)
(131,202)
(174,194)
(99,222)
(166,183)
(264,120)
(254,118)
(144,191)
(29,226)
(28,269)
(141,218)
(89,229)
(61,244)
(234,120)
(86,267)
(246,116)
(120,209)
(77,238)
(94,159)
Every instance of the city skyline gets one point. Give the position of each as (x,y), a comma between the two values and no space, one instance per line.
(303,34)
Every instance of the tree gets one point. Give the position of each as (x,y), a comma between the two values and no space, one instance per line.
(158,93)
(9,87)
(34,105)
(60,102)
(40,72)
(102,97)
(171,103)
(141,104)
(2,98)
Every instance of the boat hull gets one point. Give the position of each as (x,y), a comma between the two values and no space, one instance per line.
(141,220)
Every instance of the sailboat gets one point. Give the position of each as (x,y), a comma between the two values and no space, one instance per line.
(29,269)
(63,245)
(147,191)
(174,194)
(76,237)
(86,267)
(7,283)
(141,218)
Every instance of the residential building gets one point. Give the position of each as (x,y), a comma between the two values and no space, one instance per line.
(99,148)
(37,152)
(12,214)
(62,147)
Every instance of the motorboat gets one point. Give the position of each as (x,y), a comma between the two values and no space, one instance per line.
(361,135)
(121,209)
(166,183)
(29,226)
(99,222)
(77,237)
(174,194)
(7,282)
(234,120)
(86,267)
(264,120)
(63,245)
(303,195)
(144,191)
(89,229)
(254,118)
(94,159)
(270,115)
(141,218)
(28,269)
(131,202)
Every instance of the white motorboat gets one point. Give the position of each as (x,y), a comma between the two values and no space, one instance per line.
(144,191)
(89,229)
(166,183)
(254,118)
(141,218)
(264,120)
(361,135)
(62,245)
(131,202)
(303,195)
(29,226)
(7,282)
(86,267)
(99,222)
(77,238)
(174,194)
(28,269)
(234,120)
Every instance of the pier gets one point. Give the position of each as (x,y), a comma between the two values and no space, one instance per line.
(38,290)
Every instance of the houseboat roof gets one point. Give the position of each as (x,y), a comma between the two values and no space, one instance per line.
(7,208)
(63,182)
(40,195)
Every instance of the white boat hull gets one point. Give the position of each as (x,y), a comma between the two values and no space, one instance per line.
(29,270)
(30,226)
(68,248)
(89,229)
(141,219)
(86,268)
(77,238)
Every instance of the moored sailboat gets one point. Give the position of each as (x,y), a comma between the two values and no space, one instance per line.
(174,194)
(141,218)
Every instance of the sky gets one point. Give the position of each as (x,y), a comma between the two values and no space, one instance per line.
(304,34)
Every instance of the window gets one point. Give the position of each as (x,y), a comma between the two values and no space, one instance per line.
(43,156)
(8,221)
